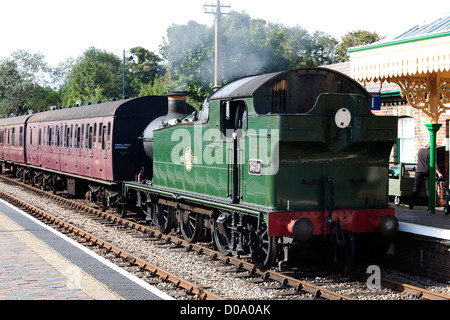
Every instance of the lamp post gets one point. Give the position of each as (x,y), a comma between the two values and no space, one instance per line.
(123,73)
(218,40)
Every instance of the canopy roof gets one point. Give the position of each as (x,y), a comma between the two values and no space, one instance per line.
(421,50)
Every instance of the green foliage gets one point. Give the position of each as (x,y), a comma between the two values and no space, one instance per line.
(140,70)
(98,75)
(250,46)
(95,76)
(354,39)
(23,84)
(189,49)
(159,87)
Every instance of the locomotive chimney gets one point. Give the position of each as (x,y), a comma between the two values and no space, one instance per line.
(177,102)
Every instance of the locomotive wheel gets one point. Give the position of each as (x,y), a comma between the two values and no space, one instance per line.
(222,242)
(190,224)
(263,249)
(163,217)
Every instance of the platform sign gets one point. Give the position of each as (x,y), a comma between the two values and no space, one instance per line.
(375,101)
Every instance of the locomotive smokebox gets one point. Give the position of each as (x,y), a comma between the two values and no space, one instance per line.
(302,228)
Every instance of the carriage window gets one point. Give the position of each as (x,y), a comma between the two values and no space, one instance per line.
(40,137)
(21,136)
(78,135)
(71,136)
(87,136)
(49,136)
(82,135)
(58,136)
(13,137)
(65,136)
(94,144)
(103,138)
(75,139)
(100,135)
(109,136)
(89,145)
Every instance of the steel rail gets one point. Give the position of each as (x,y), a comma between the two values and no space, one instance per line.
(403,287)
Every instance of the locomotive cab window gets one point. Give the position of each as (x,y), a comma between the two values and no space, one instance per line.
(233,117)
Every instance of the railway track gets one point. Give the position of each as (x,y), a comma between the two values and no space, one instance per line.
(94,240)
(287,286)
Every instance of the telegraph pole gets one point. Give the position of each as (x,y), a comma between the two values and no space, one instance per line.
(215,9)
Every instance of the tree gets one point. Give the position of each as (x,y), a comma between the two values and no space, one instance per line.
(354,39)
(322,50)
(24,83)
(141,71)
(158,87)
(189,52)
(250,46)
(96,75)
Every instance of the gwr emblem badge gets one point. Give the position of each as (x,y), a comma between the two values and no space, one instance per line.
(188,159)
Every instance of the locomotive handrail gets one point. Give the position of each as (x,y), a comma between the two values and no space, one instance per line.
(329,180)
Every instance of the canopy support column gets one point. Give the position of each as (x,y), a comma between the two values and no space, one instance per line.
(433,128)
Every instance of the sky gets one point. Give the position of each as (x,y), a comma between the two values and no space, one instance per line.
(65,29)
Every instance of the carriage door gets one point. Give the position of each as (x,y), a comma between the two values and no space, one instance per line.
(234,120)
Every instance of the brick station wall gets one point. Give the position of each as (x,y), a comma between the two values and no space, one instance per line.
(425,256)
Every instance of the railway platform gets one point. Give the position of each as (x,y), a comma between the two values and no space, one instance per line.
(419,221)
(39,263)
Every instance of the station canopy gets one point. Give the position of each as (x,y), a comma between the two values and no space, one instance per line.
(418,60)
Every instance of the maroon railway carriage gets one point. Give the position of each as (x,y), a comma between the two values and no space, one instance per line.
(12,132)
(88,148)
